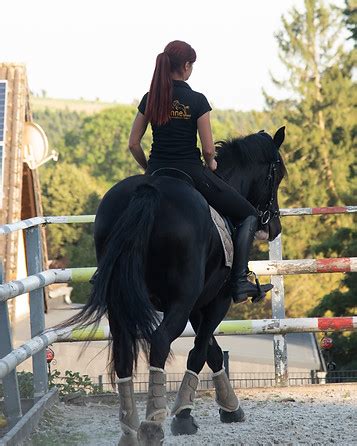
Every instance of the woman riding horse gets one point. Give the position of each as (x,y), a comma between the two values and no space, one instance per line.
(175,113)
(158,249)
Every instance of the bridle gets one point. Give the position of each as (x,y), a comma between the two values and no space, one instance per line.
(265,213)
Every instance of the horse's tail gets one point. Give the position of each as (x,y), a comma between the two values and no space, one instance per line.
(119,288)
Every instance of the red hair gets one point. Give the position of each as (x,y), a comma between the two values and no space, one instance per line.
(172,60)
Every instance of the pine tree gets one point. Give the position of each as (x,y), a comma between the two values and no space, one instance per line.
(350,13)
(342,301)
(319,148)
(320,110)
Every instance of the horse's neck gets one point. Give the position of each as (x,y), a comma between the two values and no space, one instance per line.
(238,179)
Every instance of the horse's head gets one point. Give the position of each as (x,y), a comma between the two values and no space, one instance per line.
(254,167)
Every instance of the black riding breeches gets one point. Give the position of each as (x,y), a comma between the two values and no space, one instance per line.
(216,191)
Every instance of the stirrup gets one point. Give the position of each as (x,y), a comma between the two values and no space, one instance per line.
(260,295)
(262,289)
(256,295)
(243,288)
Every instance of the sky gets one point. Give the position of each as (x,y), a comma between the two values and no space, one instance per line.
(106,49)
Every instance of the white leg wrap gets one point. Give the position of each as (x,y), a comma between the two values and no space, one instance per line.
(186,394)
(156,409)
(128,414)
(225,396)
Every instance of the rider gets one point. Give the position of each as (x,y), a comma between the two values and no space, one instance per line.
(175,113)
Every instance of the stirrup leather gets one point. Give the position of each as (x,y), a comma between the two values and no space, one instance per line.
(261,293)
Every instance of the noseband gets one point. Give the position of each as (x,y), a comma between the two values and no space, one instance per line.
(265,213)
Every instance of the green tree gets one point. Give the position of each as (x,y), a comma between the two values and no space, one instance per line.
(70,190)
(319,152)
(319,118)
(57,124)
(67,190)
(102,144)
(350,13)
(342,301)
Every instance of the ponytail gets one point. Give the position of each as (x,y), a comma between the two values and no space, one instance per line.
(172,60)
(159,102)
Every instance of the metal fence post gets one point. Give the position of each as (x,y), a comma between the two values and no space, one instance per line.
(100,383)
(278,312)
(37,310)
(12,403)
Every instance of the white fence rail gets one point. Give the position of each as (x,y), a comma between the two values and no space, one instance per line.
(38,279)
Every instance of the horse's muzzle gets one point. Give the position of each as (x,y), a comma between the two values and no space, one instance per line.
(274,228)
(261,235)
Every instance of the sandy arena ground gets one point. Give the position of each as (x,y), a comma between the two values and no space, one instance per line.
(316,415)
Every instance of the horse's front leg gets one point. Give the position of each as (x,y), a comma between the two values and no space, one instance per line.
(204,322)
(183,422)
(230,409)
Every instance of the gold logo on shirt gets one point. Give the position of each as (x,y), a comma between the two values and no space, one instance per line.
(180,111)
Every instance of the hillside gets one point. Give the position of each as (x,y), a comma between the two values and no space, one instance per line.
(75,105)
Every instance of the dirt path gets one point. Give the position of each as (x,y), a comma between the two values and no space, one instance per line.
(318,415)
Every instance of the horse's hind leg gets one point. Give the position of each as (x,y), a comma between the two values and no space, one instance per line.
(129,418)
(183,422)
(230,410)
(128,415)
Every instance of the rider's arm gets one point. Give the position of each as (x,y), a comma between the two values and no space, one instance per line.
(205,133)
(137,132)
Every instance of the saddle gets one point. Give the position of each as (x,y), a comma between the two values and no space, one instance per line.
(224,226)
(173,173)
(225,231)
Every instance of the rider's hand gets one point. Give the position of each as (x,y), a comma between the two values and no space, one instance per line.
(212,165)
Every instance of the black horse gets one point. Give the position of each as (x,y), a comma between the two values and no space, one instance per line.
(158,249)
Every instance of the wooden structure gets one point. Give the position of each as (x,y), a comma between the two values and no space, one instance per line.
(21,196)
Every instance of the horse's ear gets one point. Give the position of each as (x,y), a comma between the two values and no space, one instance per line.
(279,136)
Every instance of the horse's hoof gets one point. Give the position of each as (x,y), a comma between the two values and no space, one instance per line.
(150,433)
(232,417)
(129,439)
(184,426)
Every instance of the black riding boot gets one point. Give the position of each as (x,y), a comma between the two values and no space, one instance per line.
(241,287)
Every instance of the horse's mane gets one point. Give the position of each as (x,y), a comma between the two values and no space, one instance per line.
(257,148)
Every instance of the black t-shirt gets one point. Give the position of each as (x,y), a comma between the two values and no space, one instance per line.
(176,141)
